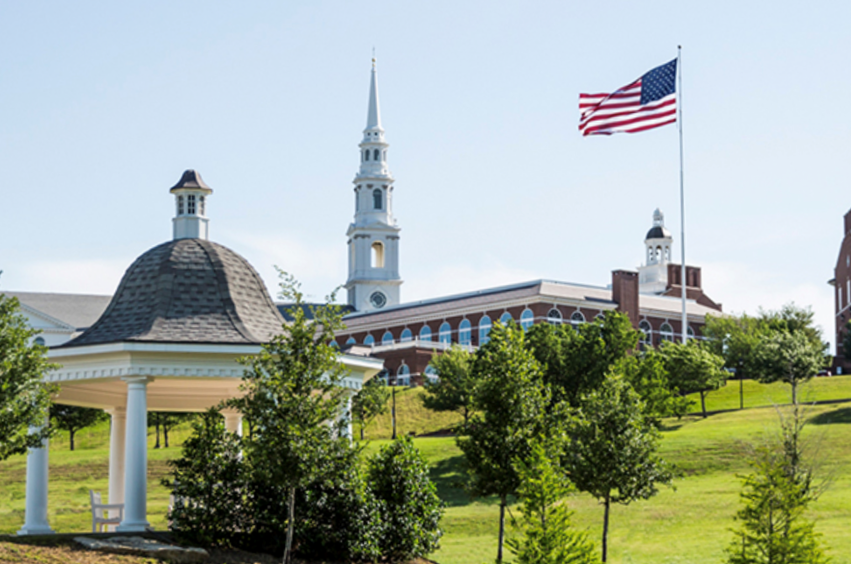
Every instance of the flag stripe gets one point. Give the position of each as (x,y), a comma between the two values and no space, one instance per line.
(659,105)
(635,123)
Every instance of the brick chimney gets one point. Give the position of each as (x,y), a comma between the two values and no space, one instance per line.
(625,293)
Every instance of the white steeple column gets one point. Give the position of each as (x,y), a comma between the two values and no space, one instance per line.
(35,518)
(233,421)
(136,457)
(117,431)
(374,280)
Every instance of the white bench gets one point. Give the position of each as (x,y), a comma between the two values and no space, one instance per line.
(99,516)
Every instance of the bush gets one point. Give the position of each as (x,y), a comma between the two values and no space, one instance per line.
(398,476)
(209,485)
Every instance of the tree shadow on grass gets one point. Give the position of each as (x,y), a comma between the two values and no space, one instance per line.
(841,415)
(448,476)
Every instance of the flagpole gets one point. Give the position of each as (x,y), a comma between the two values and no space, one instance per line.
(684,327)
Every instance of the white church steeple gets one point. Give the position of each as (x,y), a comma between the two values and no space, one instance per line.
(653,276)
(373,281)
(190,199)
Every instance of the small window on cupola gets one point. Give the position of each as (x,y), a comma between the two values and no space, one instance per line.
(366,155)
(375,155)
(180,205)
(201,205)
(376,199)
(190,204)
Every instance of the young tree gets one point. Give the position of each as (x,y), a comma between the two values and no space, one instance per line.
(511,403)
(549,536)
(293,401)
(648,376)
(24,399)
(610,449)
(773,527)
(369,402)
(693,368)
(453,391)
(736,340)
(399,479)
(790,357)
(72,419)
(576,360)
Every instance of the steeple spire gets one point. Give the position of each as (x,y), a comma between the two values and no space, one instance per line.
(373,117)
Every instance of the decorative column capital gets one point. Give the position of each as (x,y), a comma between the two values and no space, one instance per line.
(137,380)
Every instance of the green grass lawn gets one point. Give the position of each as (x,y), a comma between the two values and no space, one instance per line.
(687,524)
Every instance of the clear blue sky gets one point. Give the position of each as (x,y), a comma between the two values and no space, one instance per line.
(104,104)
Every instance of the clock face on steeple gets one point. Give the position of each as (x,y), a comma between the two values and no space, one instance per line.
(378,300)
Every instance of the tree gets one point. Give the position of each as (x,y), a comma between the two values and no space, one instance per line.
(576,360)
(453,391)
(773,528)
(693,368)
(736,339)
(648,376)
(511,403)
(166,420)
(72,419)
(369,402)
(549,536)
(610,448)
(24,398)
(790,357)
(293,401)
(398,476)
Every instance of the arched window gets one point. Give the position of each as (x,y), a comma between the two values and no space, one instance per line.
(667,332)
(376,199)
(505,318)
(334,344)
(406,336)
(599,317)
(646,330)
(576,318)
(387,338)
(39,341)
(431,373)
(369,340)
(351,341)
(377,256)
(690,333)
(658,253)
(484,329)
(527,318)
(465,332)
(554,316)
(366,155)
(180,205)
(444,335)
(425,333)
(375,155)
(403,376)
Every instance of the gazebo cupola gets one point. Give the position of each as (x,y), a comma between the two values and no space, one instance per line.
(190,199)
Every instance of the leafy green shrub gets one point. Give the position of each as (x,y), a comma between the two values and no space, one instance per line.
(398,476)
(209,485)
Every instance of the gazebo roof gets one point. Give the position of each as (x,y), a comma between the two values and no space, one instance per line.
(187,291)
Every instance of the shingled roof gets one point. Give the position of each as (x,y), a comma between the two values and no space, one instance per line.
(187,291)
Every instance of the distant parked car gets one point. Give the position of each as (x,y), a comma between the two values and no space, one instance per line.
(824,372)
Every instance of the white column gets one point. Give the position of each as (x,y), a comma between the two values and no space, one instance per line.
(116,456)
(136,457)
(233,421)
(35,518)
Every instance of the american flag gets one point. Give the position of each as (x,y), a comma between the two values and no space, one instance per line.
(650,101)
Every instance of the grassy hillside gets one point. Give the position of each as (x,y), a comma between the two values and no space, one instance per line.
(688,524)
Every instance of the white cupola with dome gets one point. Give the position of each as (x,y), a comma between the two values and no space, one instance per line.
(653,276)
(190,200)
(373,236)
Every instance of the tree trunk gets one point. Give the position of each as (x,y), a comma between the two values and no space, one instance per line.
(157,427)
(165,434)
(794,393)
(361,432)
(703,402)
(290,524)
(502,504)
(71,433)
(607,503)
(393,412)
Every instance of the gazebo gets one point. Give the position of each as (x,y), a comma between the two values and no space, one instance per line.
(170,339)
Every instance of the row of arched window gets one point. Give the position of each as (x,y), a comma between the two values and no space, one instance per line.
(666,332)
